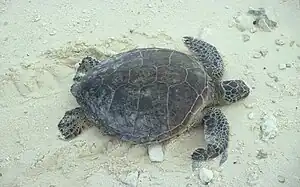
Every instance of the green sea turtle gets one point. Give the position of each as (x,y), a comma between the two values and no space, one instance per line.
(149,95)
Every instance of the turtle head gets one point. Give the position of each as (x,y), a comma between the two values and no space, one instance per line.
(86,64)
(231,91)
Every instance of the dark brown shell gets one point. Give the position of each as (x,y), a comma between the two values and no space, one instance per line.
(145,95)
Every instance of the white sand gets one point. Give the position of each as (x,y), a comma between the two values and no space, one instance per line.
(35,91)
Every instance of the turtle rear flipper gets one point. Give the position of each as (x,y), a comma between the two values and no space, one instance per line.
(216,132)
(72,124)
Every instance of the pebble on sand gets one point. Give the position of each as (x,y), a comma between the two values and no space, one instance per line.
(268,127)
(246,37)
(281,179)
(156,153)
(206,175)
(279,42)
(131,179)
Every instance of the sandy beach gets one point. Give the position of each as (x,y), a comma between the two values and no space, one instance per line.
(41,41)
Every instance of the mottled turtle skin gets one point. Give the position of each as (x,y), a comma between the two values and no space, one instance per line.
(149,95)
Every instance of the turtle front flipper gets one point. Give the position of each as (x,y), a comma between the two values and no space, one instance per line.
(207,54)
(72,124)
(85,65)
(216,133)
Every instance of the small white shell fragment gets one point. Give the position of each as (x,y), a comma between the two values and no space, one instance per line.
(52,33)
(249,105)
(156,153)
(251,116)
(282,66)
(206,175)
(253,30)
(257,55)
